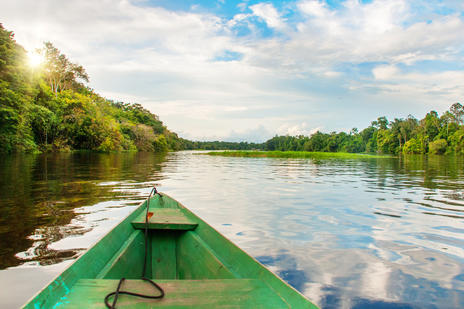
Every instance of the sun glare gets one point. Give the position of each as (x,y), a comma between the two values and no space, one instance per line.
(35,59)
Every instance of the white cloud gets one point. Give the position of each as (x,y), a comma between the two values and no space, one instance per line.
(332,74)
(444,86)
(376,32)
(257,134)
(377,17)
(298,129)
(242,6)
(314,7)
(385,72)
(237,19)
(269,14)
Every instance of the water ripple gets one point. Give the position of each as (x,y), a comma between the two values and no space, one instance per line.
(347,233)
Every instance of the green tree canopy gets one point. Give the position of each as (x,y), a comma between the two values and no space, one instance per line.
(60,73)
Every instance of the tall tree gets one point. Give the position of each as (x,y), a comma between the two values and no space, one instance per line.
(457,110)
(60,73)
(15,95)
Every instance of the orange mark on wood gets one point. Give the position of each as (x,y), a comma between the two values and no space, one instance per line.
(150,214)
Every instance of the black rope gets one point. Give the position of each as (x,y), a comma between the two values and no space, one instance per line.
(119,292)
(118,289)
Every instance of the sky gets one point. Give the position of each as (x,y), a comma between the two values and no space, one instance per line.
(248,70)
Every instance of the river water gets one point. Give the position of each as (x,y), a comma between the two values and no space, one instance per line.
(382,233)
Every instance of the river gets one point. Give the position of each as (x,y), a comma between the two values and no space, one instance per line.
(347,233)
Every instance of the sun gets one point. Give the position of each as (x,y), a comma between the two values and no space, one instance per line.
(35,59)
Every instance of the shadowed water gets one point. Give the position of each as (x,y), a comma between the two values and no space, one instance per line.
(383,233)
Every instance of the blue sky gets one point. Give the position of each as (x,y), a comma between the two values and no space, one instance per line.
(247,70)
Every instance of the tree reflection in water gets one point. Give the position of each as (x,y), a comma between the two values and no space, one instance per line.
(40,194)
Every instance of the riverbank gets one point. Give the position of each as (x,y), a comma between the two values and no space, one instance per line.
(296,154)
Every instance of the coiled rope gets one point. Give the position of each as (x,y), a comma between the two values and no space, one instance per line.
(118,289)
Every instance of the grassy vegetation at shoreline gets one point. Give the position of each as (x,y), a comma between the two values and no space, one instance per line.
(295,154)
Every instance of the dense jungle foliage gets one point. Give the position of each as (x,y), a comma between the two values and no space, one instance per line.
(434,134)
(49,108)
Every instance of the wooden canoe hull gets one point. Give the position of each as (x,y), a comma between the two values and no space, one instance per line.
(191,261)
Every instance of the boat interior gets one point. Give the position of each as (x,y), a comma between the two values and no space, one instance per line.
(194,264)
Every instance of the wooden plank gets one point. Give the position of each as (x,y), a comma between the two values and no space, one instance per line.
(163,261)
(228,293)
(128,261)
(160,202)
(165,219)
(195,260)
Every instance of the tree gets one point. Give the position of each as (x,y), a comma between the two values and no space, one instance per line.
(317,142)
(42,121)
(407,128)
(396,130)
(144,137)
(457,141)
(414,146)
(449,125)
(438,146)
(457,111)
(160,144)
(386,142)
(431,124)
(15,96)
(380,123)
(60,73)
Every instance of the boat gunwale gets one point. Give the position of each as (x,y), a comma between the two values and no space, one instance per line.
(248,255)
(181,207)
(94,244)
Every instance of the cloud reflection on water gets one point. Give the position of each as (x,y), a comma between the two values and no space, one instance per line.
(347,233)
(354,229)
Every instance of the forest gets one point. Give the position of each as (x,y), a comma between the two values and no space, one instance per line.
(50,108)
(434,134)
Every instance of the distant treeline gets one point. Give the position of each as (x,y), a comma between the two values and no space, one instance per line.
(220,145)
(434,134)
(48,108)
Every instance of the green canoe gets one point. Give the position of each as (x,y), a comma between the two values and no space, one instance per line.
(195,266)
